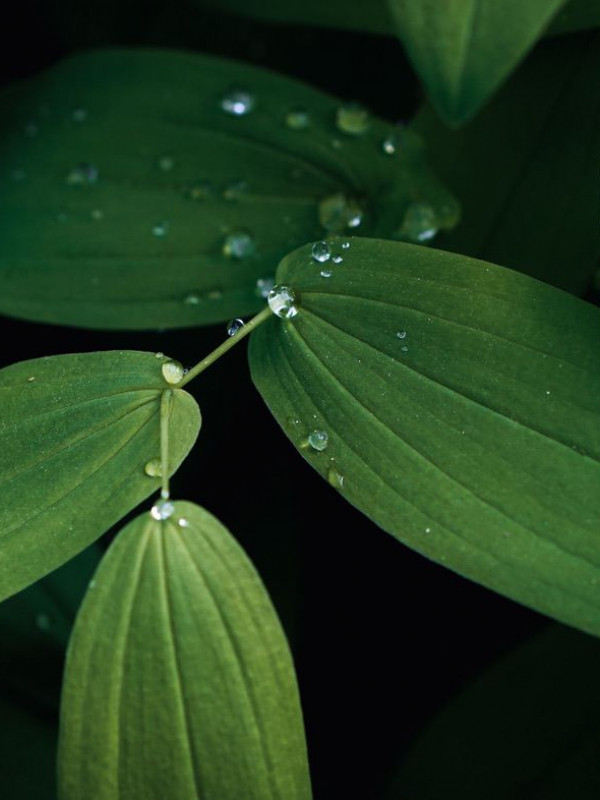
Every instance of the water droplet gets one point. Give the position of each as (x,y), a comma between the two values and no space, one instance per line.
(326,272)
(420,223)
(172,371)
(337,259)
(352,119)
(237,102)
(239,244)
(337,212)
(162,510)
(166,163)
(183,522)
(83,175)
(297,119)
(321,252)
(79,115)
(335,478)
(165,494)
(153,468)
(43,622)
(427,530)
(199,191)
(391,145)
(345,245)
(159,355)
(264,286)
(283,301)
(192,299)
(160,229)
(234,325)
(401,334)
(235,190)
(31,378)
(404,348)
(318,440)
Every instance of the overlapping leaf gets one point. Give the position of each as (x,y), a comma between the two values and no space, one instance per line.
(179,682)
(75,435)
(461,407)
(526,168)
(132,199)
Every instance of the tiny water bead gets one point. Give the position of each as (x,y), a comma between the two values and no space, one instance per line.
(401,334)
(162,510)
(337,212)
(283,301)
(335,478)
(352,119)
(172,371)
(264,286)
(82,175)
(239,245)
(297,119)
(237,102)
(192,299)
(183,522)
(234,325)
(318,440)
(321,252)
(420,223)
(337,259)
(392,144)
(160,229)
(153,468)
(326,272)
(345,245)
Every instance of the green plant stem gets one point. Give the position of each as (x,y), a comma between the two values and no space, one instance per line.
(227,345)
(165,413)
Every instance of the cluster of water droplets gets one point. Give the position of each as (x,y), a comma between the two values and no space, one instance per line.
(328,255)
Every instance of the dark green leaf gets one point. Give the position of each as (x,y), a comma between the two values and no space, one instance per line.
(576,15)
(76,433)
(179,682)
(464,49)
(461,402)
(529,726)
(526,168)
(126,185)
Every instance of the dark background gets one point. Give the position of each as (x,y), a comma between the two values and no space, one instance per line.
(382,637)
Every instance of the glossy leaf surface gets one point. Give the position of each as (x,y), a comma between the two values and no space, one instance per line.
(526,167)
(463,49)
(75,435)
(454,402)
(155,188)
(179,682)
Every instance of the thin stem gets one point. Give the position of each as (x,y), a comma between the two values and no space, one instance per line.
(227,345)
(165,413)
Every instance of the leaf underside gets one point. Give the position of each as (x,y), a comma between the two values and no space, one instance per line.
(461,402)
(179,682)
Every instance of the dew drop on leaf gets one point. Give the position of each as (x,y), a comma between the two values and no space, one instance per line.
(160,229)
(318,440)
(162,510)
(153,468)
(172,371)
(335,478)
(297,119)
(321,252)
(401,334)
(352,119)
(239,244)
(237,102)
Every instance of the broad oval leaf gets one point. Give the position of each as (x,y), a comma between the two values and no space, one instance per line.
(464,49)
(537,145)
(179,682)
(75,436)
(461,406)
(155,188)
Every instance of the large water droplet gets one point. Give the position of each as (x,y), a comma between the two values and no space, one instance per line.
(318,440)
(153,468)
(160,229)
(234,325)
(352,119)
(82,175)
(237,102)
(283,301)
(239,244)
(264,286)
(321,252)
(420,223)
(337,212)
(172,371)
(335,478)
(162,510)
(297,119)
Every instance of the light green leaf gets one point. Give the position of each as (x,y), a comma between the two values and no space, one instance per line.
(75,435)
(131,199)
(179,682)
(461,402)
(464,49)
(529,725)
(525,169)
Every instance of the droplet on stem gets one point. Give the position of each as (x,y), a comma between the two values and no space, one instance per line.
(172,371)
(283,301)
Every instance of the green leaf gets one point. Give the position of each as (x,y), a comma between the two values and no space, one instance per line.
(464,49)
(525,169)
(103,227)
(529,725)
(179,682)
(461,405)
(76,433)
(576,15)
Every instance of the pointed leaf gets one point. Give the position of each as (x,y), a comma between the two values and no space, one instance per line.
(101,226)
(461,405)
(179,682)
(76,433)
(537,145)
(464,49)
